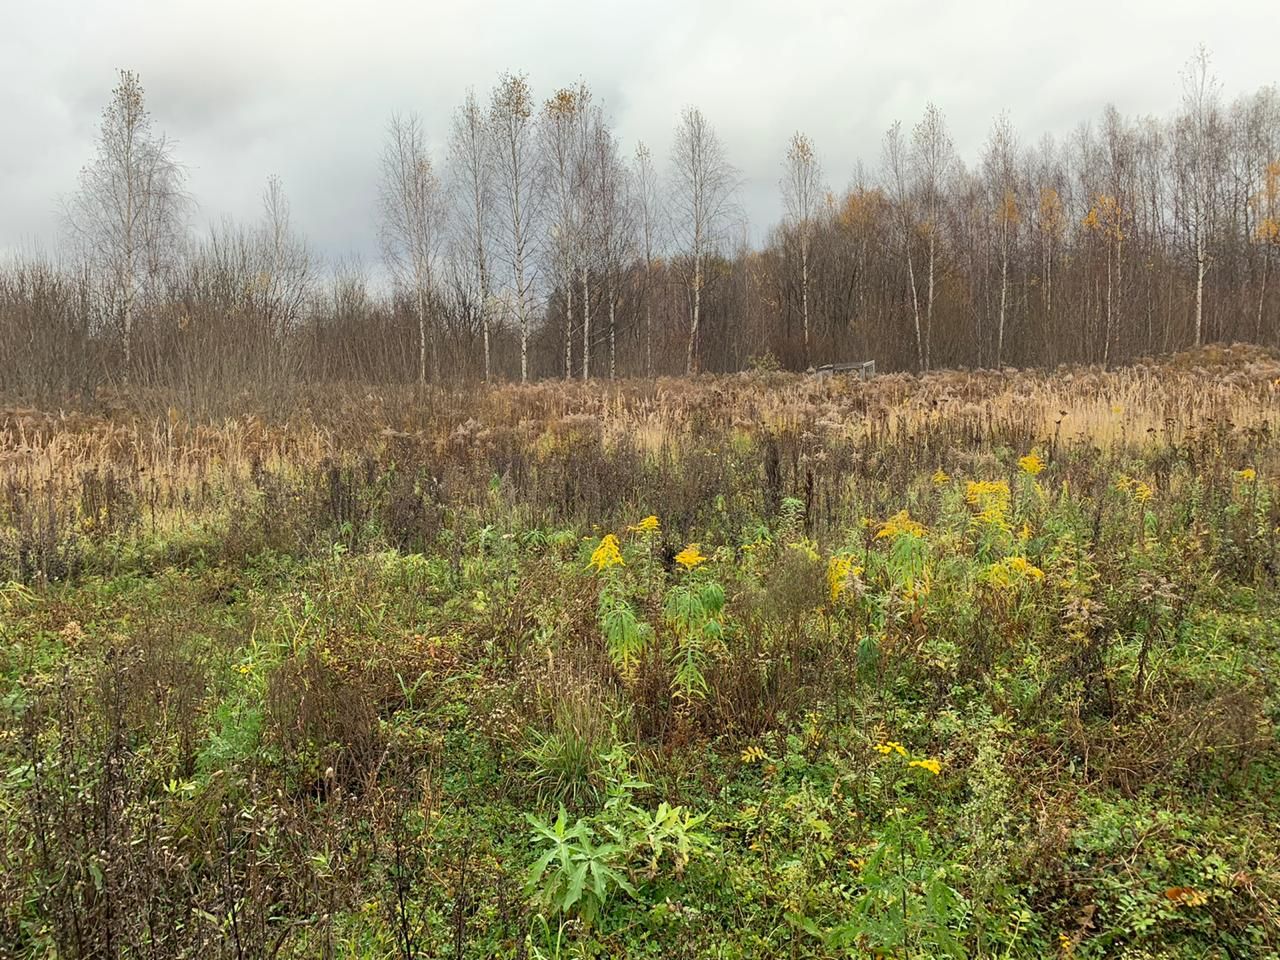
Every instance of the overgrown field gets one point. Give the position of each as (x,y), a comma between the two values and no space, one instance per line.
(975,665)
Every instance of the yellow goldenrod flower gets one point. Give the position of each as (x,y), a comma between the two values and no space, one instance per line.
(690,556)
(840,570)
(1248,474)
(649,524)
(1010,571)
(977,493)
(897,525)
(1140,490)
(933,766)
(1031,464)
(940,478)
(1023,566)
(892,746)
(607,554)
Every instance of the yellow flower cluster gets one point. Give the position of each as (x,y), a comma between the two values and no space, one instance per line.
(979,493)
(1248,474)
(607,554)
(649,524)
(1139,489)
(690,556)
(893,746)
(1031,464)
(940,478)
(1009,572)
(839,571)
(899,524)
(990,498)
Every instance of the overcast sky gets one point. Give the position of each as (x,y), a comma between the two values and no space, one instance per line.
(303,89)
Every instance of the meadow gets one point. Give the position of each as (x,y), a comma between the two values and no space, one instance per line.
(969,665)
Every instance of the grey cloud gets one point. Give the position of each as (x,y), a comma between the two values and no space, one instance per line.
(304,89)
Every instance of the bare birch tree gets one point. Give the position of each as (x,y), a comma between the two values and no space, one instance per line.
(565,142)
(128,216)
(613,232)
(511,137)
(648,216)
(703,185)
(1197,131)
(999,166)
(895,162)
(471,169)
(412,222)
(932,156)
(286,271)
(801,193)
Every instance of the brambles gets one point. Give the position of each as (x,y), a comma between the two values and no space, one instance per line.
(828,669)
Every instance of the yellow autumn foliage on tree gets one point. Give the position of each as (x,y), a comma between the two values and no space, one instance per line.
(1052,219)
(1267,203)
(1007,212)
(1106,217)
(862,209)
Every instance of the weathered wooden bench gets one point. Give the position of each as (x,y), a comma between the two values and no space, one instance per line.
(863,370)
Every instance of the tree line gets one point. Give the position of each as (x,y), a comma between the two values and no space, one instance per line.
(539,246)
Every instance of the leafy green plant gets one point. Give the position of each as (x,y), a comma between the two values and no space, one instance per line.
(907,902)
(626,636)
(694,612)
(598,857)
(576,873)
(669,833)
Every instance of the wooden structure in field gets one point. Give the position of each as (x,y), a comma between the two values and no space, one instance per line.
(863,370)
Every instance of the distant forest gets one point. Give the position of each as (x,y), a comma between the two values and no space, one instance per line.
(540,246)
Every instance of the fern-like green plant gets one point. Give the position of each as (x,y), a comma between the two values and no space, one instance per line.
(626,636)
(694,611)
